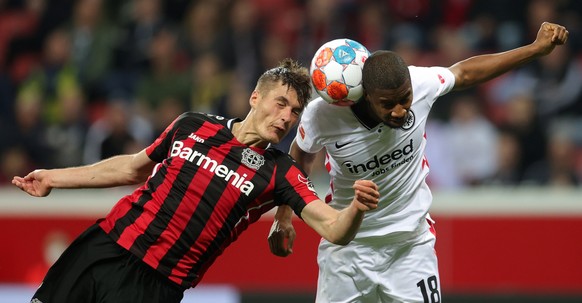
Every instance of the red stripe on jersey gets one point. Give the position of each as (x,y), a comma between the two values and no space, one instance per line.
(301,132)
(425,162)
(188,204)
(301,184)
(118,211)
(151,209)
(215,222)
(424,159)
(329,196)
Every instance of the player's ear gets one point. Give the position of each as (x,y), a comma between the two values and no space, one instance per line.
(254,99)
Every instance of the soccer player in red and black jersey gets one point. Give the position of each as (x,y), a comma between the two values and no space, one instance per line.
(206,179)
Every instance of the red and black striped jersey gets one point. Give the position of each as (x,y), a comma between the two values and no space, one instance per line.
(207,188)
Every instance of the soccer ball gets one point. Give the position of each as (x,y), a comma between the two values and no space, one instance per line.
(336,71)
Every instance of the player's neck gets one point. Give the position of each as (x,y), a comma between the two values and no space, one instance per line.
(363,111)
(244,135)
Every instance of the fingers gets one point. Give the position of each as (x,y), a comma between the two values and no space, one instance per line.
(559,33)
(277,245)
(367,188)
(366,193)
(276,239)
(18,182)
(290,240)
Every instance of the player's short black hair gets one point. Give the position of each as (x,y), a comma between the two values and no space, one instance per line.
(292,74)
(384,70)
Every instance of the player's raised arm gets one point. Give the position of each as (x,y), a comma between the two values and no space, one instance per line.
(115,171)
(340,227)
(478,69)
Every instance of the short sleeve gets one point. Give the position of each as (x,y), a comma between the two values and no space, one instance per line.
(432,82)
(158,150)
(292,186)
(309,130)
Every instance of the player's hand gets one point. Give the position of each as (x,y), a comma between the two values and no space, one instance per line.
(550,35)
(35,183)
(282,234)
(366,195)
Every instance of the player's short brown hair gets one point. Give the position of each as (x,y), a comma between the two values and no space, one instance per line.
(290,73)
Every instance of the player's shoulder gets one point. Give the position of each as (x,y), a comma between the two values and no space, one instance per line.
(436,78)
(428,71)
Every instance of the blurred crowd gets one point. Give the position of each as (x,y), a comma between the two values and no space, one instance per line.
(83,80)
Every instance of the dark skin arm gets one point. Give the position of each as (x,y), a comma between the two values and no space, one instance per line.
(482,68)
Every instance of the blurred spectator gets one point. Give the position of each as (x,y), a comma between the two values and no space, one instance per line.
(558,168)
(6,98)
(55,85)
(67,136)
(472,141)
(236,101)
(204,29)
(372,29)
(508,155)
(23,143)
(443,171)
(93,40)
(167,77)
(522,122)
(17,24)
(119,131)
(273,49)
(14,161)
(493,25)
(53,76)
(244,37)
(556,84)
(209,83)
(449,47)
(138,26)
(324,20)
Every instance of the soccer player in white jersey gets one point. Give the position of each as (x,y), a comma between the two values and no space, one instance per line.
(382,138)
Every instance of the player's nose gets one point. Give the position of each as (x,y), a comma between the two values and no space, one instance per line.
(287,114)
(398,112)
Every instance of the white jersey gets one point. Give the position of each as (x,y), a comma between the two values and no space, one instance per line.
(393,158)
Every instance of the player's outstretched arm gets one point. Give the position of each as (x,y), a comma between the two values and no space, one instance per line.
(282,233)
(115,171)
(340,227)
(479,69)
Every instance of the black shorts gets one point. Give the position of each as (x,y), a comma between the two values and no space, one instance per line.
(96,269)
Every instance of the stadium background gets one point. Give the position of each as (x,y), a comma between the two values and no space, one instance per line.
(84,80)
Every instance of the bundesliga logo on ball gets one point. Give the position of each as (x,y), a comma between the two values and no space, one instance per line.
(336,71)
